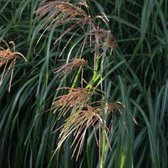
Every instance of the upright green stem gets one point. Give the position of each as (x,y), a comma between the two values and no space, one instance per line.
(76,78)
(96,74)
(103,141)
(103,148)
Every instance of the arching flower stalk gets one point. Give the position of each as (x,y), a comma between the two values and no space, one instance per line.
(8,57)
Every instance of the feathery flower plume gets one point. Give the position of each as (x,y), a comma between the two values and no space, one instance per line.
(77,97)
(8,60)
(113,106)
(68,68)
(78,124)
(61,12)
(103,38)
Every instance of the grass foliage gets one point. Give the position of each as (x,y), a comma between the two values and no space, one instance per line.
(91,87)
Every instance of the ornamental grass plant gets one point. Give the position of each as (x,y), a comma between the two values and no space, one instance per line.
(84,83)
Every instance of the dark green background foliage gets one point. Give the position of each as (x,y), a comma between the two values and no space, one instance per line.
(136,74)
